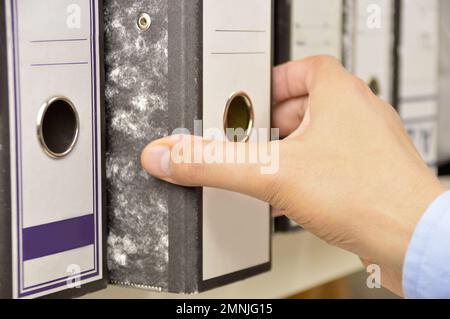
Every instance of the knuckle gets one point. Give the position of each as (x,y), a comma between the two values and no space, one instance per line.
(359,86)
(325,60)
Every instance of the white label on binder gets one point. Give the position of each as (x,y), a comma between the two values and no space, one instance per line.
(236,58)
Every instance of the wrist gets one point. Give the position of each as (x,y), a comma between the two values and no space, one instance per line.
(390,233)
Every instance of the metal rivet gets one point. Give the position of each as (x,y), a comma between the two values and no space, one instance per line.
(144,21)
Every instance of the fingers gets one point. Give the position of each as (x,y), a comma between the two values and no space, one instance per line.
(289,115)
(276,212)
(192,161)
(292,83)
(298,78)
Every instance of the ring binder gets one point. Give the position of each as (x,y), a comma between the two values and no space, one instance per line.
(183,68)
(51,162)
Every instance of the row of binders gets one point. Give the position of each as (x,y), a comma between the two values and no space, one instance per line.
(86,84)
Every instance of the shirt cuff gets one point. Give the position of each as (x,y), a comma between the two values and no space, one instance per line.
(426,269)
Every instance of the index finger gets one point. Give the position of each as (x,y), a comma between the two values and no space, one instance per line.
(297,78)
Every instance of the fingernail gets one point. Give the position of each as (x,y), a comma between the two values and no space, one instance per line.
(156,160)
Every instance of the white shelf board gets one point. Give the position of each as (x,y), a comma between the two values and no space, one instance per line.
(300,262)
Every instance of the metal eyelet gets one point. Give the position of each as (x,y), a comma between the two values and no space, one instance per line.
(239,114)
(144,22)
(58,127)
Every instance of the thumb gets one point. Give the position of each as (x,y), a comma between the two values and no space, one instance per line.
(247,168)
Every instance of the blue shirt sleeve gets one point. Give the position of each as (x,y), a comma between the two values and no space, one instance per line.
(426,269)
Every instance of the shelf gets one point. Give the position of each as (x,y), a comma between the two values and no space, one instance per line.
(300,262)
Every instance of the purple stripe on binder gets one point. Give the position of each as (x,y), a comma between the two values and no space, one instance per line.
(58,237)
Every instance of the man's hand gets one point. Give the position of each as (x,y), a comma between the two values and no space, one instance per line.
(348,171)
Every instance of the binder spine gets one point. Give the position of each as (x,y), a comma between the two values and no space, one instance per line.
(397,18)
(103,139)
(418,88)
(444,85)
(282,54)
(282,10)
(5,178)
(185,106)
(348,34)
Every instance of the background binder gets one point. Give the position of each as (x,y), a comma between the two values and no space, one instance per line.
(169,63)
(418,65)
(305,28)
(51,180)
(444,86)
(369,44)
